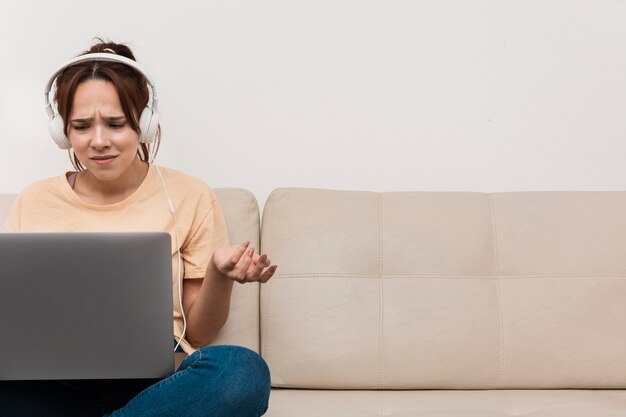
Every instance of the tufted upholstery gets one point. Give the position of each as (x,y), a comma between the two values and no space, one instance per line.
(445,291)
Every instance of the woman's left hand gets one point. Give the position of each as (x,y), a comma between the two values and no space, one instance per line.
(241,264)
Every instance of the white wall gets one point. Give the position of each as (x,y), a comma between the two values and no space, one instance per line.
(481,95)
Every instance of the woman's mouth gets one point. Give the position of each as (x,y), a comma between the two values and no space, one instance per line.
(103,160)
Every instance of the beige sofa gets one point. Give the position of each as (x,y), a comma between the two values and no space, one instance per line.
(436,304)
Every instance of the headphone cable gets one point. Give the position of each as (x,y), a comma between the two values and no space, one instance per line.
(180,284)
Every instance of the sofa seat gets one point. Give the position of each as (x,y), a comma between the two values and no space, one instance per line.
(448,403)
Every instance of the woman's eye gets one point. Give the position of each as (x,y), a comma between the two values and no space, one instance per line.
(117,125)
(81,127)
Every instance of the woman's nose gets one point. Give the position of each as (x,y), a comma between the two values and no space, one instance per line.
(100,138)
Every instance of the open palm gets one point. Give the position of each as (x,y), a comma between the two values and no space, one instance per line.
(241,264)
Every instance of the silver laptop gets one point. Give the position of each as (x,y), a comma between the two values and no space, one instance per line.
(85,306)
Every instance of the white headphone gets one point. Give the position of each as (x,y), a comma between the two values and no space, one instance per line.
(148,121)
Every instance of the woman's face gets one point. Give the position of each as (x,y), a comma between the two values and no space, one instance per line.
(100,135)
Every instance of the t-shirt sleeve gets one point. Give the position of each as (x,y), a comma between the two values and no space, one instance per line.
(13,221)
(209,234)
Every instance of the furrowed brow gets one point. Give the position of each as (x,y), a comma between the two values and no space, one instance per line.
(108,119)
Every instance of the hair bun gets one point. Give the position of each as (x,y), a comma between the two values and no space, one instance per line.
(111,47)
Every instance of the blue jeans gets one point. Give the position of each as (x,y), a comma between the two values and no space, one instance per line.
(218,381)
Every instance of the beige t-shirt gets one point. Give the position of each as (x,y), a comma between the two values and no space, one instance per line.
(52,206)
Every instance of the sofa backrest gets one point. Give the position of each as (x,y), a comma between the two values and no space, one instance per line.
(241,211)
(423,290)
(242,219)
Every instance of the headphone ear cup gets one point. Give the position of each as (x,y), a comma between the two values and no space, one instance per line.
(148,124)
(55,127)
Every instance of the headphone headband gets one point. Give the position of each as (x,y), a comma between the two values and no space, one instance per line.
(149,117)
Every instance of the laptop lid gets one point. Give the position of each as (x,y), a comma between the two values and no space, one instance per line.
(85,306)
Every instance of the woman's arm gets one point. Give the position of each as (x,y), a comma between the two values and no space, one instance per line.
(206,302)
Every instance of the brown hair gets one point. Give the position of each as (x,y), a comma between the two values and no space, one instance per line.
(131,86)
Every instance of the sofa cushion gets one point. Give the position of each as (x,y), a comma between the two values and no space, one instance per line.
(445,290)
(496,403)
(241,211)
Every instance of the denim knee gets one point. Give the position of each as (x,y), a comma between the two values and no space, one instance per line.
(245,377)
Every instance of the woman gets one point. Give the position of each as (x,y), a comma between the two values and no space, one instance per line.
(106,117)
